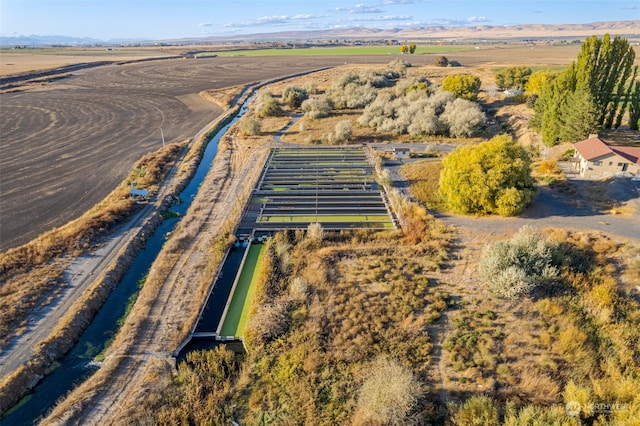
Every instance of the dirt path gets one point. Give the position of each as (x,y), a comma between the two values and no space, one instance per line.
(459,280)
(550,211)
(128,366)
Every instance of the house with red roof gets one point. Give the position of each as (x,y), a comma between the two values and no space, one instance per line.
(595,159)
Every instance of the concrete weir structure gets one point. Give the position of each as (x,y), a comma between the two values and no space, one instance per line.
(333,186)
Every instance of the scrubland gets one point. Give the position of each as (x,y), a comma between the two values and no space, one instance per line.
(336,319)
(339,320)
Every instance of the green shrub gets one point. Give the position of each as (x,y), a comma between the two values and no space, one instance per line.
(492,177)
(251,126)
(532,415)
(517,267)
(477,411)
(316,108)
(271,108)
(465,86)
(294,96)
(343,131)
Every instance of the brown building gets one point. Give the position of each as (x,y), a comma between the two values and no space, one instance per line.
(595,159)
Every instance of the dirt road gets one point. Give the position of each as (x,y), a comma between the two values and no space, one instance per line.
(551,211)
(127,367)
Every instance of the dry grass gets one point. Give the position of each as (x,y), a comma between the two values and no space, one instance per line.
(528,351)
(423,178)
(380,299)
(226,97)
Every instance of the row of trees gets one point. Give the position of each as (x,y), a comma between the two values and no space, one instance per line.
(594,92)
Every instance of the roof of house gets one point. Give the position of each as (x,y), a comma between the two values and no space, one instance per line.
(592,148)
(631,153)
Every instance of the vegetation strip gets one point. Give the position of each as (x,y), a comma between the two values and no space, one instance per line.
(331,51)
(235,320)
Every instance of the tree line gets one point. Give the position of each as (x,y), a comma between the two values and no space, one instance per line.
(595,92)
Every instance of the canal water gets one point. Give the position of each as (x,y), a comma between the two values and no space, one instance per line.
(212,313)
(79,363)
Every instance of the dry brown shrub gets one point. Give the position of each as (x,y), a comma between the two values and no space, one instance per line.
(537,388)
(387,395)
(548,167)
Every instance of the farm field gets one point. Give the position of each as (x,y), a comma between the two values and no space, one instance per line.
(333,51)
(68,142)
(16,61)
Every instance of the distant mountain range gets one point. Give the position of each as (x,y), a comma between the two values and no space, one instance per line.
(627,29)
(60,40)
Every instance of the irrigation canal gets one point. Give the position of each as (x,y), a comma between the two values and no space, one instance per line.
(79,363)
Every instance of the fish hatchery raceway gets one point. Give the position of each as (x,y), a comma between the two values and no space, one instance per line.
(68,144)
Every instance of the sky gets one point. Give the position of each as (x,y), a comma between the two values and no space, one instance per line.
(174,19)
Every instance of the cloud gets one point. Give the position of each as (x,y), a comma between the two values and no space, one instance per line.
(272,20)
(205,24)
(392,2)
(477,19)
(360,8)
(383,18)
(629,8)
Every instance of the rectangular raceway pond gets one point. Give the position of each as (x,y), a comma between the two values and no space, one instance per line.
(236,312)
(333,186)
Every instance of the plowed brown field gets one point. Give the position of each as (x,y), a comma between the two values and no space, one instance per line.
(66,145)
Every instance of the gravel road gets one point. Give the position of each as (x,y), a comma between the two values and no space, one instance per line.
(550,211)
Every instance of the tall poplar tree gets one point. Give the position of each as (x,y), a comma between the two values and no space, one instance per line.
(634,106)
(604,67)
(604,76)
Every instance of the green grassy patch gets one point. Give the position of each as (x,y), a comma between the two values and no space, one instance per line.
(321,218)
(335,51)
(236,318)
